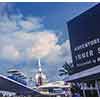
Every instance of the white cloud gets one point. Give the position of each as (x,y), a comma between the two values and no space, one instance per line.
(34,44)
(10,22)
(7,26)
(17,23)
(10,52)
(59,54)
(30,24)
(19,43)
(44,43)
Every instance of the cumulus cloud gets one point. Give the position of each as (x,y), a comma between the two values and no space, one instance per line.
(7,25)
(9,52)
(10,22)
(30,24)
(44,43)
(25,38)
(35,44)
(17,23)
(59,55)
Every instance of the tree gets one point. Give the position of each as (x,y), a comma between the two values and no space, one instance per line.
(66,69)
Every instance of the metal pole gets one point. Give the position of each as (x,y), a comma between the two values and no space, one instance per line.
(97,87)
(83,90)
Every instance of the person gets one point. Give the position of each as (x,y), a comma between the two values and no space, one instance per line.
(75,90)
(76,95)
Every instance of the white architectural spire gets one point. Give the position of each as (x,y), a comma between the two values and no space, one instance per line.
(39,65)
(40,76)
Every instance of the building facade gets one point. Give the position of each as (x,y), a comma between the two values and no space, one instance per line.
(84,34)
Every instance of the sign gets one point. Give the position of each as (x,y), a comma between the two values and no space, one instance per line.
(84,34)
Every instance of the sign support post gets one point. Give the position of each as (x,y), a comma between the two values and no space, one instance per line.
(83,89)
(97,87)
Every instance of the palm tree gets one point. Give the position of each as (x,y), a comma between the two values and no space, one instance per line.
(66,69)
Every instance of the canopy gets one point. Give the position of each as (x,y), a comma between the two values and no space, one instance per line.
(7,84)
(57,84)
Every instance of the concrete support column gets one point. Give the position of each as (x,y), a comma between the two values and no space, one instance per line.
(83,90)
(97,87)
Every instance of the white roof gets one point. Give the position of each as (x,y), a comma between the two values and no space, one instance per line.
(7,84)
(57,84)
(16,71)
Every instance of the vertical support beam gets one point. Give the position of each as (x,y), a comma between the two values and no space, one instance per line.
(83,89)
(70,90)
(97,87)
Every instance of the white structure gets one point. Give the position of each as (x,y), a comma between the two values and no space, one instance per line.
(57,88)
(40,77)
(17,75)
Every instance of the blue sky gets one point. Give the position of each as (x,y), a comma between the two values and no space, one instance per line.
(36,30)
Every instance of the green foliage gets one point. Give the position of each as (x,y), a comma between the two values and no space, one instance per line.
(66,69)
